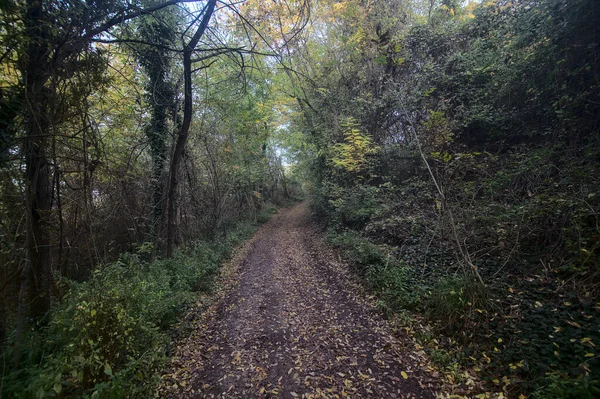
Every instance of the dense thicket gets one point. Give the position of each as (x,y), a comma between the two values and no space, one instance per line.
(456,158)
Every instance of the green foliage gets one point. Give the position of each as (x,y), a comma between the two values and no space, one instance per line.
(388,277)
(392,284)
(451,300)
(437,130)
(361,251)
(557,386)
(352,207)
(110,334)
(351,155)
(503,97)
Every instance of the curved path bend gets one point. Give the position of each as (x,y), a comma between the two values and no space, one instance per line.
(292,323)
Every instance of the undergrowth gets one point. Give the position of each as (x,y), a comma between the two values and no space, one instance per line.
(109,336)
(464,190)
(523,333)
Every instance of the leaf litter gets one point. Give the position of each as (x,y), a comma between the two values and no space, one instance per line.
(288,321)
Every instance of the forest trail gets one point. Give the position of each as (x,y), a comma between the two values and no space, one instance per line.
(292,323)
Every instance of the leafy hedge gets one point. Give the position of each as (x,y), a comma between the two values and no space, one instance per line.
(110,334)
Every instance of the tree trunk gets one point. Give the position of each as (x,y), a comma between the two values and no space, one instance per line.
(37,176)
(34,294)
(286,192)
(38,208)
(178,154)
(185,129)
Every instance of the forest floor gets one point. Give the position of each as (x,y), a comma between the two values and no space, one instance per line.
(290,321)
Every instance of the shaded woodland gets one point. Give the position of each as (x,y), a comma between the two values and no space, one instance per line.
(450,149)
(129,130)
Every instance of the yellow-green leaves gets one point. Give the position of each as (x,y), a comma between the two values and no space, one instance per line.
(352,154)
(437,129)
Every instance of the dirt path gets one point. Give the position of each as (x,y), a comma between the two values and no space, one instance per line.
(292,324)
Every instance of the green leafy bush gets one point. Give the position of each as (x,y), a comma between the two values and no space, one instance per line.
(353,207)
(451,301)
(362,253)
(388,277)
(109,335)
(392,284)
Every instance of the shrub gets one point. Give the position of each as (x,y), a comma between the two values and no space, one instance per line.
(358,249)
(109,335)
(452,300)
(392,284)
(387,276)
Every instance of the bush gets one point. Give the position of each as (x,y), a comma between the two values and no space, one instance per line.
(110,334)
(452,300)
(388,277)
(392,284)
(353,207)
(362,253)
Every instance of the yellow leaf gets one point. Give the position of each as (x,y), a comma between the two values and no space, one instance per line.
(404,375)
(499,340)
